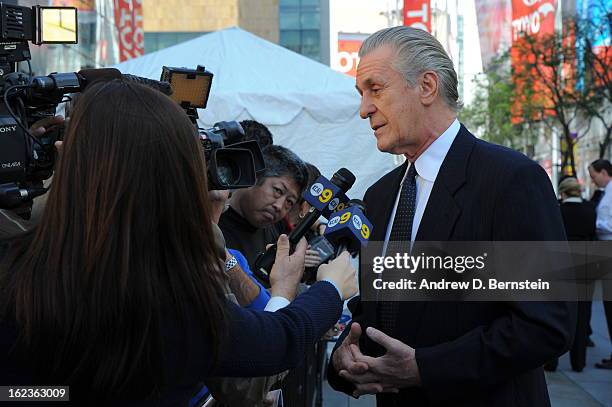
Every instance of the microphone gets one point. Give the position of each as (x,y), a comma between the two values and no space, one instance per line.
(90,76)
(319,194)
(349,229)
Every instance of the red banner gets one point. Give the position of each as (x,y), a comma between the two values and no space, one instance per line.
(534,19)
(417,14)
(128,19)
(348,58)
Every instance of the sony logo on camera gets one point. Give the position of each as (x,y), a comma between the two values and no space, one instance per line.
(11,165)
(6,129)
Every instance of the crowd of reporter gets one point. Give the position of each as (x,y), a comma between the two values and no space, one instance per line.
(125,290)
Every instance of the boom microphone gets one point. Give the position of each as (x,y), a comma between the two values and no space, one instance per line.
(319,194)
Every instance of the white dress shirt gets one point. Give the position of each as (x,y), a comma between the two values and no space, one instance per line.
(427,165)
(603,225)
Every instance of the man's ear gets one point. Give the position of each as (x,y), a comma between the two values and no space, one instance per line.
(428,87)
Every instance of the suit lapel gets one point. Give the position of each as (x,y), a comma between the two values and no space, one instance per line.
(439,219)
(443,210)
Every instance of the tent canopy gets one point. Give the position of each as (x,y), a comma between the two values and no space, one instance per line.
(308,107)
(272,83)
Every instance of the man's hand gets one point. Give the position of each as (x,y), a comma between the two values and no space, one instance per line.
(41,126)
(342,273)
(343,358)
(287,270)
(394,370)
(313,259)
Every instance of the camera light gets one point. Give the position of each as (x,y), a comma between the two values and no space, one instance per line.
(57,25)
(190,87)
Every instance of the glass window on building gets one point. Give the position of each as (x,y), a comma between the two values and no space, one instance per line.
(155,41)
(310,20)
(300,27)
(291,39)
(311,44)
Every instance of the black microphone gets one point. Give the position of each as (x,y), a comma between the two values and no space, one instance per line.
(90,76)
(349,229)
(343,179)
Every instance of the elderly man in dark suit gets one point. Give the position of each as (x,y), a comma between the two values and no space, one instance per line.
(452,187)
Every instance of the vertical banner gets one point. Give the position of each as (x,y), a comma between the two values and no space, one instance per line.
(107,40)
(128,19)
(599,33)
(494,19)
(417,14)
(534,19)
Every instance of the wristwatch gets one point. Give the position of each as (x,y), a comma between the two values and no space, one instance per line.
(230,263)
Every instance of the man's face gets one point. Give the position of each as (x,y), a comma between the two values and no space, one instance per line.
(599,178)
(269,202)
(386,99)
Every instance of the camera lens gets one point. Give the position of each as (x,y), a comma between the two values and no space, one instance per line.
(228,172)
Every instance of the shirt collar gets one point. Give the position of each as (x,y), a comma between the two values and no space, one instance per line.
(429,162)
(573,199)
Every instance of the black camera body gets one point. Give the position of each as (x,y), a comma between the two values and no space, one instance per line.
(25,162)
(232,162)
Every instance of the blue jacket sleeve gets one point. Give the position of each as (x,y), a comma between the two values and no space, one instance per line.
(266,343)
(259,303)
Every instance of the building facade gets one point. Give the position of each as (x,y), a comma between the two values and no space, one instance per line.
(168,22)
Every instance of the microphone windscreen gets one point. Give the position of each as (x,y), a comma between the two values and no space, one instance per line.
(344,179)
(163,87)
(101,74)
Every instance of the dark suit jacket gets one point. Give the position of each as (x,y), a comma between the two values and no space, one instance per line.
(475,353)
(579,220)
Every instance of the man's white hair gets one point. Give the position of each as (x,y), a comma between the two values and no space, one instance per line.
(417,52)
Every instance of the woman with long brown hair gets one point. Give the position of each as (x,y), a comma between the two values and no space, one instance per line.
(119,292)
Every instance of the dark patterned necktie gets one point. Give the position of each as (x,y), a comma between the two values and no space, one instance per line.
(399,241)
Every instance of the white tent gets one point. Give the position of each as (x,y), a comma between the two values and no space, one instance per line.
(308,107)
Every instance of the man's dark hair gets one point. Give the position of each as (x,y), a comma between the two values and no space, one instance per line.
(602,164)
(253,130)
(280,161)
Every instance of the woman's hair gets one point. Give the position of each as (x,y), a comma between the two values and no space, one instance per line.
(123,260)
(571,187)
